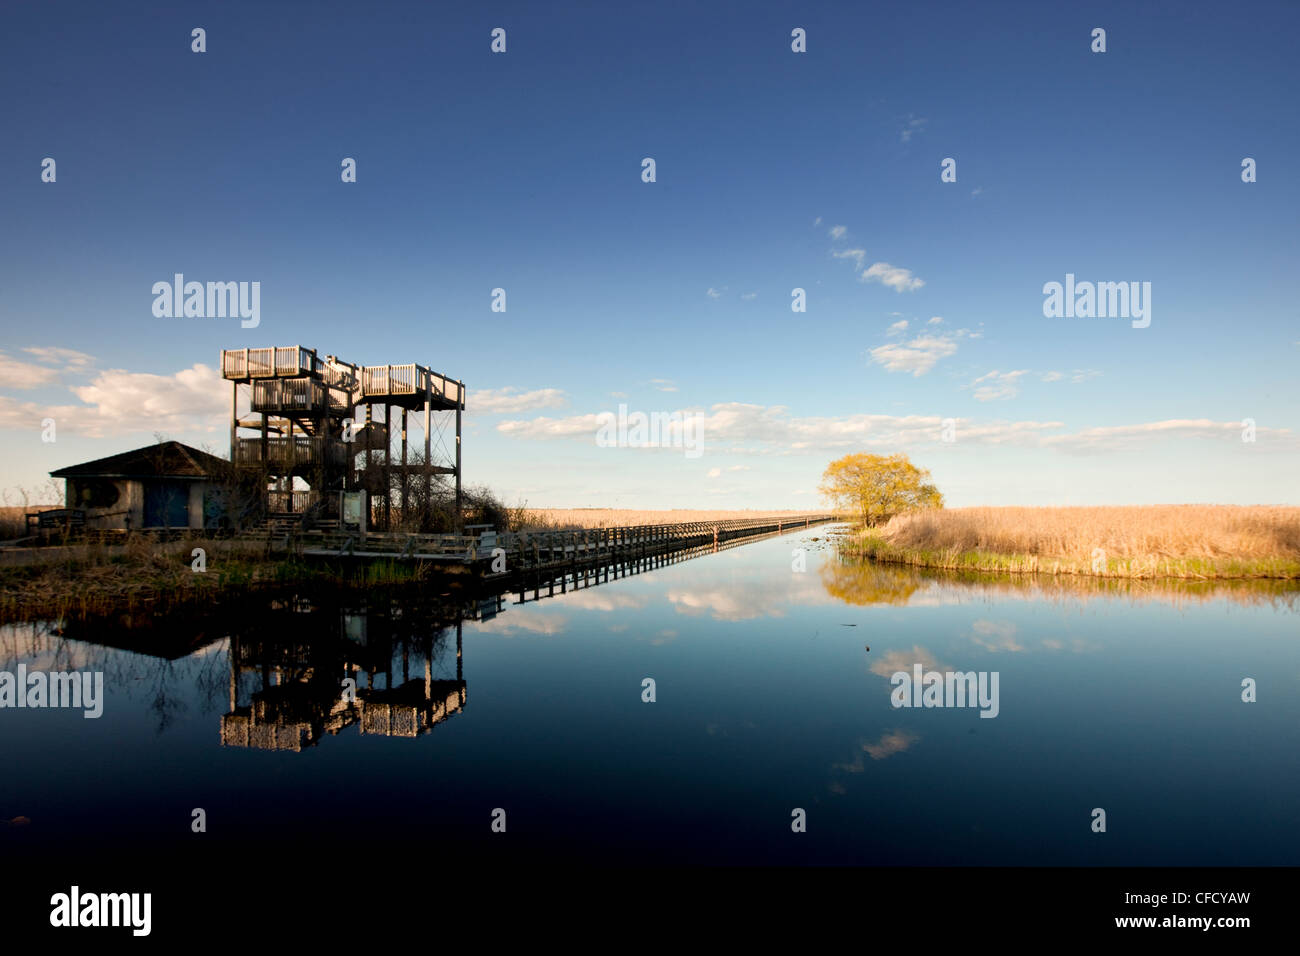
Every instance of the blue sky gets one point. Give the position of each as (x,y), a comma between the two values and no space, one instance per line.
(774,170)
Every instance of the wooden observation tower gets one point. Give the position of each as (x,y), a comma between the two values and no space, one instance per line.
(312,430)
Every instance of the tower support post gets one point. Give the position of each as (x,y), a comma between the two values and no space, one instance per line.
(460,512)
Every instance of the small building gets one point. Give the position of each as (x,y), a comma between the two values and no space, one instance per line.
(164,485)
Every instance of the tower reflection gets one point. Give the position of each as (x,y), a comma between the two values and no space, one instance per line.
(313,671)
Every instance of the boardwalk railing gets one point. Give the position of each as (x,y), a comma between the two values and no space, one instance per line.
(547,549)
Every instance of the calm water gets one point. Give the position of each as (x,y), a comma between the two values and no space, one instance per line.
(767,700)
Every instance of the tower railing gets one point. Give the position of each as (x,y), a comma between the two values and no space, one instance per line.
(291,361)
(282,451)
(288,394)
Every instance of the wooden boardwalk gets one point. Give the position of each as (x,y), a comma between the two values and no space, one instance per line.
(490,554)
(560,579)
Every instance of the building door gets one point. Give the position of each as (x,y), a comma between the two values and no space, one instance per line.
(166,504)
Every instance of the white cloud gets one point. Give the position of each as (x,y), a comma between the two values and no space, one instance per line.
(15,373)
(509,399)
(917,356)
(998,385)
(895,277)
(935,320)
(55,355)
(857,255)
(990,393)
(664,384)
(192,397)
(53,361)
(898,327)
(837,232)
(749,296)
(117,402)
(1078,376)
(739,428)
(1117,437)
(575,426)
(762,429)
(717,472)
(713,293)
(915,124)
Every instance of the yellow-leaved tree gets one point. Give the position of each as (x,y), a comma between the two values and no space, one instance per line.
(877,487)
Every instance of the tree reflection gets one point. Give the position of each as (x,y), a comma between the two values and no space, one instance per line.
(856,581)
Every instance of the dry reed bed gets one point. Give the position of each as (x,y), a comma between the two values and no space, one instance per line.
(1185,541)
(13,520)
(874,583)
(97,579)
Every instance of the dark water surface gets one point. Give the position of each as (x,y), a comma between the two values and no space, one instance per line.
(1121,698)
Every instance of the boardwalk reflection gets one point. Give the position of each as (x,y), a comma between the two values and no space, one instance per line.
(287,678)
(272,667)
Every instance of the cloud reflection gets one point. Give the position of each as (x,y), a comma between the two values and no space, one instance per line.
(891,742)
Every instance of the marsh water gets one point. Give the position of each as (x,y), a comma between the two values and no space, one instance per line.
(1121,697)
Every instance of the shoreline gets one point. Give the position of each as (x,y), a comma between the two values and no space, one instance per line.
(139,576)
(98,582)
(1150,568)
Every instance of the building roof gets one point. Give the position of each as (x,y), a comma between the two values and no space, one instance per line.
(169,459)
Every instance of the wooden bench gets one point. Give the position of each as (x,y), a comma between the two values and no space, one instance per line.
(56,519)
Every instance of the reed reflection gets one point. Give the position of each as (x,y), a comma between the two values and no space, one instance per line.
(859,580)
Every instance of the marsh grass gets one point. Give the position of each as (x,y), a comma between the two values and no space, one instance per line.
(1174,541)
(13,519)
(97,578)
